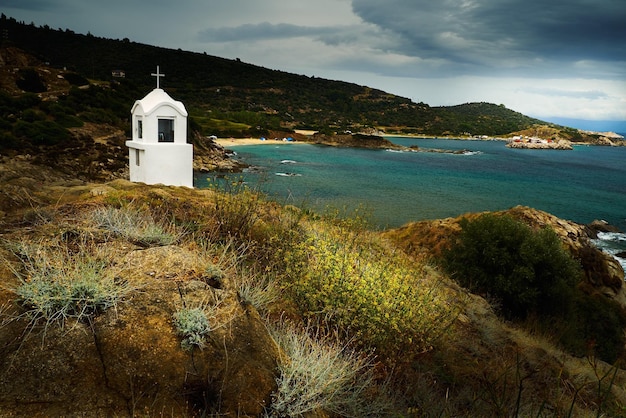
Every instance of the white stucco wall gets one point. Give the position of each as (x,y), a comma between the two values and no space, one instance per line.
(168,163)
(161,163)
(158,105)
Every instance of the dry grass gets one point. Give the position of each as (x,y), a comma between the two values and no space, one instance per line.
(135,226)
(59,281)
(323,374)
(481,367)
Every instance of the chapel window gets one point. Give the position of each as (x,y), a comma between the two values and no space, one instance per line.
(166,130)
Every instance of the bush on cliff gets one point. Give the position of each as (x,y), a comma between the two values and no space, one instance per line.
(528,272)
(525,271)
(596,328)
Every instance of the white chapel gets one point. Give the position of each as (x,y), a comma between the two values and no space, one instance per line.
(159,152)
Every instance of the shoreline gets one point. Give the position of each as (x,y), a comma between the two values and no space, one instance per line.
(229,142)
(226,142)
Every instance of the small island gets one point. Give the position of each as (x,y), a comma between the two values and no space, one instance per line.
(538,143)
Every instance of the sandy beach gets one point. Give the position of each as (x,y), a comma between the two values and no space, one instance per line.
(229,142)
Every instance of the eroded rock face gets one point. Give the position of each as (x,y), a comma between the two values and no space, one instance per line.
(128,361)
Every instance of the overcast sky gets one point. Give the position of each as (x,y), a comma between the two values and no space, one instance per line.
(548,59)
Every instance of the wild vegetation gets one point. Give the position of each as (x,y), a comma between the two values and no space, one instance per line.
(364,329)
(528,273)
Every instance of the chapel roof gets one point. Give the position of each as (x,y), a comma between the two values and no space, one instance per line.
(156,98)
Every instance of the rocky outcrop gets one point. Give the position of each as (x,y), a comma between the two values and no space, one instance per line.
(556,145)
(128,360)
(603,273)
(602,226)
(209,156)
(354,140)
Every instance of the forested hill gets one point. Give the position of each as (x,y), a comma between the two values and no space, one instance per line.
(230,97)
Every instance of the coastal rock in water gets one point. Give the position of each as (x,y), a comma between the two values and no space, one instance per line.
(556,145)
(209,157)
(354,140)
(602,226)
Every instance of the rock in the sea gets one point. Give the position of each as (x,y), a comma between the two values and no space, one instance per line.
(602,226)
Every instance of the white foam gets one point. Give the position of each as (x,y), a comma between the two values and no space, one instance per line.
(288,174)
(612,236)
(612,243)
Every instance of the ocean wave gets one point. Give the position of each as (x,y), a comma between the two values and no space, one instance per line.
(612,236)
(613,243)
(288,162)
(288,174)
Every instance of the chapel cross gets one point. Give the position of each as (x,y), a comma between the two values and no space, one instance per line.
(158,76)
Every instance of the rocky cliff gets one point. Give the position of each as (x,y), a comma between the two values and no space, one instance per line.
(603,272)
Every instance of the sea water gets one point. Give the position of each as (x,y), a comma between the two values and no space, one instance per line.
(581,185)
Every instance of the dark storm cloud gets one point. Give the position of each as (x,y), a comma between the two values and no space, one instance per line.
(32,5)
(505,34)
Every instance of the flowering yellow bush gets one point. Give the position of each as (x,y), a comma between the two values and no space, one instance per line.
(378,296)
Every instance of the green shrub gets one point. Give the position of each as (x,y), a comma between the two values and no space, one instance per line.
(193,326)
(235,208)
(32,115)
(526,271)
(30,81)
(355,283)
(75,79)
(41,132)
(596,328)
(69,121)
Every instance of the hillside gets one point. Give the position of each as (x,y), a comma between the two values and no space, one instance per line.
(122,299)
(229,97)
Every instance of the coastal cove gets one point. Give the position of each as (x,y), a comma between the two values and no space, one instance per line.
(582,185)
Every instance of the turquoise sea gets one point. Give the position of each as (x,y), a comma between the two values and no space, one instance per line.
(582,185)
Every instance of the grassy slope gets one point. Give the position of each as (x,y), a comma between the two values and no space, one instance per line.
(338,275)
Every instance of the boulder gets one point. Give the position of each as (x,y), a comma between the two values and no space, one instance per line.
(602,226)
(129,361)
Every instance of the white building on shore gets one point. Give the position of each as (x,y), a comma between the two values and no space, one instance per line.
(159,152)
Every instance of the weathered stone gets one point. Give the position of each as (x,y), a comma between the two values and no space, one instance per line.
(129,360)
(602,226)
